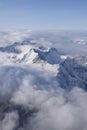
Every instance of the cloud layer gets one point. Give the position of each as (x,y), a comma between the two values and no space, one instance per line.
(51,108)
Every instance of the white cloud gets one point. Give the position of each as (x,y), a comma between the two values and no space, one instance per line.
(9,37)
(57,109)
(9,122)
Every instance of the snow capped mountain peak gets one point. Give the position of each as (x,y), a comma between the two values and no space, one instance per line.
(42,76)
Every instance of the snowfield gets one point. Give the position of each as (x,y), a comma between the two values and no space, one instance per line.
(43,80)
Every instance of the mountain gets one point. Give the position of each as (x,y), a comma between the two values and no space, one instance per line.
(43,81)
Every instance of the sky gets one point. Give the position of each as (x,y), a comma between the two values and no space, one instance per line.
(43,14)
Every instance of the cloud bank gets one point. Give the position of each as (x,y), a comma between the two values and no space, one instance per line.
(51,109)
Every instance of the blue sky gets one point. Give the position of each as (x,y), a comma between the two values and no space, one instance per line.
(43,14)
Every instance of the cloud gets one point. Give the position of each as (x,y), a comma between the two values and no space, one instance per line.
(63,112)
(9,37)
(56,109)
(9,122)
